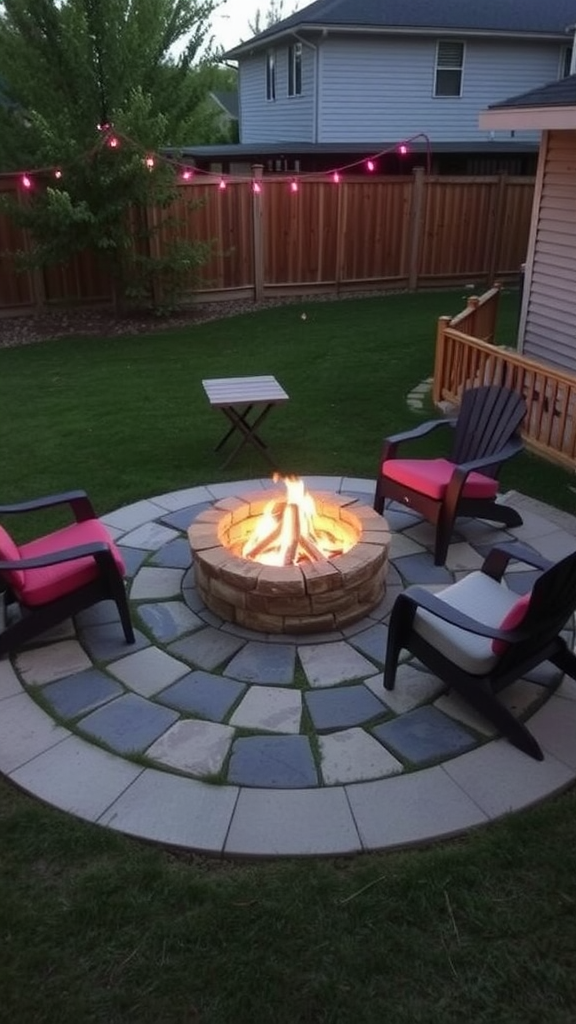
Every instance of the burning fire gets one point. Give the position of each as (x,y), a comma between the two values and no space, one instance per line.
(291,530)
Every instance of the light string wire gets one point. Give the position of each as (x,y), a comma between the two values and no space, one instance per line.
(186,172)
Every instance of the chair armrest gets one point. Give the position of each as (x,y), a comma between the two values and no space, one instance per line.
(419,598)
(96,548)
(390,444)
(78,501)
(496,561)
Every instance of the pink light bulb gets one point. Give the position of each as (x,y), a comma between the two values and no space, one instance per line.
(294,186)
(113,142)
(187,175)
(26,182)
(149,162)
(256,187)
(222,184)
(402,149)
(335,177)
(370,165)
(57,174)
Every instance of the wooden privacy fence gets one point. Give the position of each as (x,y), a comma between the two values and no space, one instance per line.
(464,358)
(382,233)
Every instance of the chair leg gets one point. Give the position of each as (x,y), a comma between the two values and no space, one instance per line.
(119,596)
(379,497)
(397,636)
(502,718)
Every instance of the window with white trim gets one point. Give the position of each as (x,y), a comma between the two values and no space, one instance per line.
(271,75)
(295,70)
(566,62)
(449,64)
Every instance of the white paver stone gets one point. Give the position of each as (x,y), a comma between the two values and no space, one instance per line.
(199,748)
(150,537)
(151,583)
(332,663)
(412,688)
(501,779)
(148,671)
(10,685)
(25,731)
(353,756)
(131,516)
(176,500)
(554,726)
(42,665)
(77,777)
(273,708)
(288,822)
(174,810)
(412,808)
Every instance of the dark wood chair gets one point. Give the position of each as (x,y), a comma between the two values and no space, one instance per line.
(485,434)
(59,574)
(479,636)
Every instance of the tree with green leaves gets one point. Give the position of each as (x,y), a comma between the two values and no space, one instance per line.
(274,13)
(79,75)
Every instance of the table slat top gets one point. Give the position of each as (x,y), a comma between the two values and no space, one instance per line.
(238,390)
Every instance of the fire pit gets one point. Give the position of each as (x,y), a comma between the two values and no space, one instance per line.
(290,562)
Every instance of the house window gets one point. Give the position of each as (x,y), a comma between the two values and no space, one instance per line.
(449,63)
(271,75)
(295,70)
(566,62)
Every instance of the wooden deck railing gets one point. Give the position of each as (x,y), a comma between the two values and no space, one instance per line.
(465,359)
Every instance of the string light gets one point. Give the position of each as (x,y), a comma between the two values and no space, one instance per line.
(186,174)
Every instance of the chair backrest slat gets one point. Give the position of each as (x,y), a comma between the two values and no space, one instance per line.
(489,417)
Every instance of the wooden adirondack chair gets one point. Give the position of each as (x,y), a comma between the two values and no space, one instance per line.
(61,573)
(478,636)
(485,435)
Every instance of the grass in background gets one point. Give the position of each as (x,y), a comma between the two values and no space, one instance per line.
(97,928)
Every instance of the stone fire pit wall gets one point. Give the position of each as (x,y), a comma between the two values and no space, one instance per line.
(307,598)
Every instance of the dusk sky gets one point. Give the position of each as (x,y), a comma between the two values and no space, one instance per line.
(230,22)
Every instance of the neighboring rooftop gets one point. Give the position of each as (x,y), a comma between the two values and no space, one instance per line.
(555,94)
(553,19)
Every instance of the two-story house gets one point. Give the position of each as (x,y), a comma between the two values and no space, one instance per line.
(346,78)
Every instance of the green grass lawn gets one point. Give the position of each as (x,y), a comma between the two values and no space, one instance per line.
(95,927)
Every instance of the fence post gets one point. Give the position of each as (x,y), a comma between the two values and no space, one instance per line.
(258,233)
(416,221)
(443,323)
(497,226)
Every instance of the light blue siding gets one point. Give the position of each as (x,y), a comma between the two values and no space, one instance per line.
(372,89)
(285,119)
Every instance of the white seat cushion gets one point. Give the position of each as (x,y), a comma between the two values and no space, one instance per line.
(484,600)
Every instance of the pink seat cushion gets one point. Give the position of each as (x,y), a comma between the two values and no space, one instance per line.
(43,585)
(431,477)
(10,553)
(511,620)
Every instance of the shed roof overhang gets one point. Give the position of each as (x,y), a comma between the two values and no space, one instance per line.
(527,118)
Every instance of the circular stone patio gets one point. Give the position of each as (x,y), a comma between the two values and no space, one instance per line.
(215,738)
